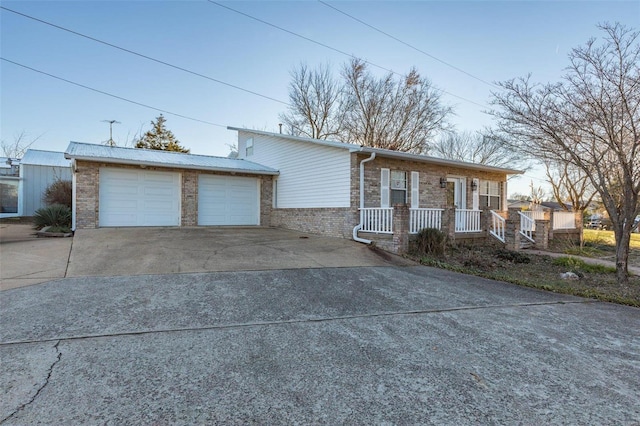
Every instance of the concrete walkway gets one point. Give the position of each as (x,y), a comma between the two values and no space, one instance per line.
(634,270)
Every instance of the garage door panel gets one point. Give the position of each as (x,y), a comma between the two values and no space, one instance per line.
(228,200)
(139,198)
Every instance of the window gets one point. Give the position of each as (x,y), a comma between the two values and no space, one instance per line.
(9,197)
(248,147)
(490,194)
(398,187)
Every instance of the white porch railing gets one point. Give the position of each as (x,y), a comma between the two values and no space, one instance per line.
(424,218)
(468,220)
(497,226)
(527,226)
(378,220)
(564,220)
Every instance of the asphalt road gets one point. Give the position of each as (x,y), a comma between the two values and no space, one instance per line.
(369,345)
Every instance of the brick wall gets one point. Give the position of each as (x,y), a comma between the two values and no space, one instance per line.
(332,222)
(431,194)
(88,187)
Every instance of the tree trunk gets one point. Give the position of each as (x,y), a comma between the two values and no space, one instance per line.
(623,239)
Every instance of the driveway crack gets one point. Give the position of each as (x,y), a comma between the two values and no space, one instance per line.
(41,388)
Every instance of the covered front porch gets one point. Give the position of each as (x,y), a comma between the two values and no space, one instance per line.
(391,227)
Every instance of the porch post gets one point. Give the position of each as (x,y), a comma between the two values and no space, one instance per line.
(449,222)
(512,229)
(542,234)
(400,228)
(486,220)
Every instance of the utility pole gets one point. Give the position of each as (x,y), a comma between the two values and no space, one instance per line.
(110,142)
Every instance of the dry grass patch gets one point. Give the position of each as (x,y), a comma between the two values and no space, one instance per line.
(538,271)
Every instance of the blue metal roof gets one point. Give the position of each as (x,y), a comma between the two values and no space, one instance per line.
(37,157)
(150,157)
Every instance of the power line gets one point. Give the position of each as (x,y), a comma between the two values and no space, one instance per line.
(342,52)
(409,45)
(144,56)
(112,95)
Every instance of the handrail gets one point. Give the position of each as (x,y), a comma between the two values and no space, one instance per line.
(527,226)
(498,225)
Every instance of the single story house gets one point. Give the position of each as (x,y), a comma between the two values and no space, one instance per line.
(23,181)
(317,186)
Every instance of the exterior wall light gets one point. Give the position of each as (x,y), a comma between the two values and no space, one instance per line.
(474,186)
(443,182)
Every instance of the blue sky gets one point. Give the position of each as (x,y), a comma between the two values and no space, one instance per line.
(493,40)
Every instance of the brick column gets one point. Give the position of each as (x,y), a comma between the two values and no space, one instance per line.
(542,234)
(512,229)
(400,228)
(486,220)
(449,222)
(189,198)
(550,233)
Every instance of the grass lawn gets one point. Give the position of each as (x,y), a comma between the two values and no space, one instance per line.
(539,271)
(601,244)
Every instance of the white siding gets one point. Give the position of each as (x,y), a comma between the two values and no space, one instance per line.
(35,180)
(310,175)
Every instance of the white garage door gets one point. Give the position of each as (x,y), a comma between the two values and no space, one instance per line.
(228,200)
(139,198)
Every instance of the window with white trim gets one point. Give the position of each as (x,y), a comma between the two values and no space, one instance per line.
(398,187)
(490,194)
(248,145)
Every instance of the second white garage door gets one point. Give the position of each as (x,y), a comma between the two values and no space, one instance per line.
(228,200)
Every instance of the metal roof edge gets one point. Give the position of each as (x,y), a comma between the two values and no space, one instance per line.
(437,160)
(111,160)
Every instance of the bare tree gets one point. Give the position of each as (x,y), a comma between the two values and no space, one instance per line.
(591,120)
(475,148)
(397,114)
(19,146)
(315,99)
(570,185)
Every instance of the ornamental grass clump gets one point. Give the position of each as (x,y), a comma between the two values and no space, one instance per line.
(55,216)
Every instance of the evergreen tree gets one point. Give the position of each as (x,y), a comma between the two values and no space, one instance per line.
(160,138)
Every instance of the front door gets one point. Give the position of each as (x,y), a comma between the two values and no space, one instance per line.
(457,197)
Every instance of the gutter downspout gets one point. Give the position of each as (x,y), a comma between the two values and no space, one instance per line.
(73,195)
(359,225)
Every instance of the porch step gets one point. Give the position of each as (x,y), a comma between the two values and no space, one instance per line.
(526,244)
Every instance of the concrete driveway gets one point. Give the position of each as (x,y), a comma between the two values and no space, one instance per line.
(135,251)
(26,259)
(352,345)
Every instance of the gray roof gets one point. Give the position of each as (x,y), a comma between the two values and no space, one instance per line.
(37,157)
(386,152)
(150,157)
